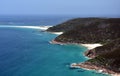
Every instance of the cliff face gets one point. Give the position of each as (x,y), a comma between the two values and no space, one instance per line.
(94,30)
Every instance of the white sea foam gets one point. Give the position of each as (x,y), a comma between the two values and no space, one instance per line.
(29,27)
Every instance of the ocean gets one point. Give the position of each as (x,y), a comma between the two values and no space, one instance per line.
(27,51)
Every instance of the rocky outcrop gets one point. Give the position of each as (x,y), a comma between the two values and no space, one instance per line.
(94,30)
(89,66)
(90,53)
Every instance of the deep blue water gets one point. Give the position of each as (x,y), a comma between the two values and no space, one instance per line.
(27,52)
(33,20)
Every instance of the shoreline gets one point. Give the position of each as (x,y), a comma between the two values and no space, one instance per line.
(88,46)
(91,46)
(29,27)
(88,66)
(103,58)
(57,33)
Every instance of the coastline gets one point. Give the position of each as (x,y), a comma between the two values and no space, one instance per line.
(29,27)
(103,58)
(88,46)
(44,28)
(89,66)
(57,33)
(91,46)
(86,65)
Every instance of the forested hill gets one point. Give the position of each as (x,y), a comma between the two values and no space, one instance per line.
(94,30)
(88,30)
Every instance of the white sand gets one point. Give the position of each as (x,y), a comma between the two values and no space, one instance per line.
(100,71)
(57,33)
(31,27)
(91,46)
(34,27)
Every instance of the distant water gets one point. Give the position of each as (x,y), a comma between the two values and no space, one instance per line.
(33,20)
(27,52)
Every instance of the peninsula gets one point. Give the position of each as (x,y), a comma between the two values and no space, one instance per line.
(105,31)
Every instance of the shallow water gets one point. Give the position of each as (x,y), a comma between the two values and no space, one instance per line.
(27,52)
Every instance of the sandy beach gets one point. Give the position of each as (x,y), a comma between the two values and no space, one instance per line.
(91,46)
(30,27)
(57,33)
(88,46)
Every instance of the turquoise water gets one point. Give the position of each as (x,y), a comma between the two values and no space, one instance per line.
(27,52)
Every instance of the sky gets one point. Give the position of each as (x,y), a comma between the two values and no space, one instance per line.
(59,7)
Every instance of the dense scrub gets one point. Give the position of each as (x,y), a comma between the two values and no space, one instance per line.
(94,30)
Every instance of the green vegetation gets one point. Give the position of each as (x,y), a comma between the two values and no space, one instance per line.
(110,60)
(99,60)
(94,30)
(88,30)
(68,25)
(108,47)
